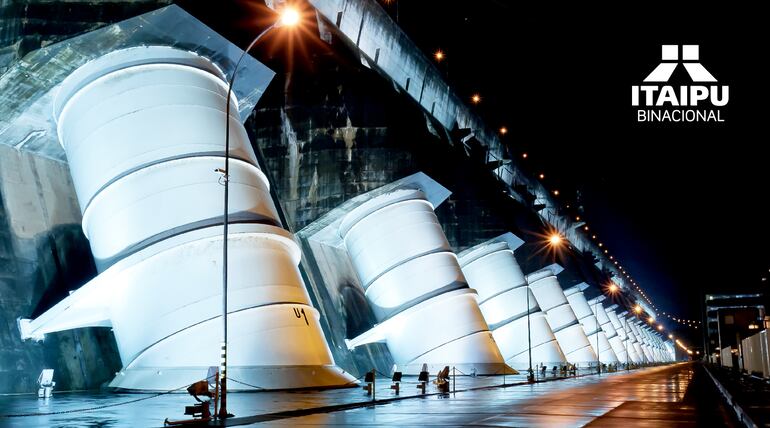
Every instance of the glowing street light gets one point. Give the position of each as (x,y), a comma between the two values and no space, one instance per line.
(541,176)
(555,239)
(638,309)
(476,98)
(613,288)
(671,336)
(503,130)
(556,193)
(439,55)
(288,17)
(660,328)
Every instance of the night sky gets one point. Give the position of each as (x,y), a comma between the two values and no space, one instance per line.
(681,206)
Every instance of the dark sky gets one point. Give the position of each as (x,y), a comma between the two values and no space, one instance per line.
(682,207)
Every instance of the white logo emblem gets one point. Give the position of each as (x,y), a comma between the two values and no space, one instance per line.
(665,103)
(669,61)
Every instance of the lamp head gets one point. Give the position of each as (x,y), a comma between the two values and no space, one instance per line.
(289,17)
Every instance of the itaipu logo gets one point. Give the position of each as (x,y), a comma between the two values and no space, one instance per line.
(696,102)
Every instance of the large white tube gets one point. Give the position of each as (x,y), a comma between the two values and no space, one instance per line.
(568,331)
(425,311)
(634,349)
(622,339)
(597,308)
(596,336)
(641,341)
(143,129)
(491,269)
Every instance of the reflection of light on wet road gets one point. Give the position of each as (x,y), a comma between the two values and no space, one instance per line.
(647,397)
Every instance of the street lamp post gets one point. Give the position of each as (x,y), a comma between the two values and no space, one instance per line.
(598,359)
(530,374)
(288,17)
(627,340)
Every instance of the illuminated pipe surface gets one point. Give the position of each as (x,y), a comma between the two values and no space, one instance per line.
(591,327)
(620,348)
(641,341)
(492,270)
(565,325)
(426,312)
(143,129)
(616,343)
(643,328)
(634,350)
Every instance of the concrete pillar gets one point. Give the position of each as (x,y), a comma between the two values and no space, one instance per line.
(565,325)
(144,129)
(492,270)
(425,310)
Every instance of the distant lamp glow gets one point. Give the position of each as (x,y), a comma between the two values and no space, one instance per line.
(439,55)
(585,228)
(638,309)
(542,176)
(556,193)
(650,320)
(660,328)
(613,288)
(503,130)
(289,17)
(671,336)
(523,155)
(476,98)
